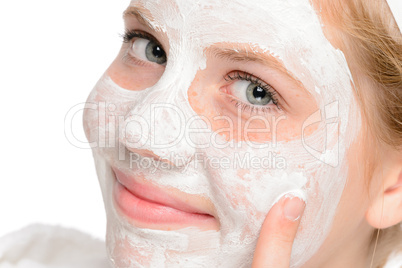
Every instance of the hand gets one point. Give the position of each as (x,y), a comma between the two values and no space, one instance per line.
(278,232)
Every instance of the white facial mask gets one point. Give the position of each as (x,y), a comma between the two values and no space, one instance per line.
(291,32)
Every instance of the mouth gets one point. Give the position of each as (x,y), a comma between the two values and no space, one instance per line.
(149,207)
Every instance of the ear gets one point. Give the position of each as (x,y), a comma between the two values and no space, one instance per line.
(385,209)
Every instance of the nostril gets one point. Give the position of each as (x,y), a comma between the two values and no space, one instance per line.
(145,153)
(150,154)
(172,160)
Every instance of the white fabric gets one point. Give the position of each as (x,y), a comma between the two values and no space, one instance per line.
(394,261)
(42,246)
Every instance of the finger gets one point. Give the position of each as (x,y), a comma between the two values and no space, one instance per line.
(274,245)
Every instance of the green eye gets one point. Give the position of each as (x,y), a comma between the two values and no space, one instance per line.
(257,95)
(251,92)
(155,53)
(148,50)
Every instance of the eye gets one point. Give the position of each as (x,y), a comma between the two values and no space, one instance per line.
(250,89)
(144,47)
(251,92)
(148,50)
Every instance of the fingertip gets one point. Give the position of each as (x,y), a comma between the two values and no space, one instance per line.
(293,205)
(279,230)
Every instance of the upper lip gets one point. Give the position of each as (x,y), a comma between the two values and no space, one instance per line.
(176,200)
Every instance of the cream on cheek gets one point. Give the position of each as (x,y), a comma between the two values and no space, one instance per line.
(242,192)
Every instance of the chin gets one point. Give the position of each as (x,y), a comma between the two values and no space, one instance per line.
(129,245)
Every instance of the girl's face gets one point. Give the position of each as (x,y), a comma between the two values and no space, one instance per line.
(210,113)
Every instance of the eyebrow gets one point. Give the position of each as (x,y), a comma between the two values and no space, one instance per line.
(230,54)
(140,14)
(235,55)
(245,56)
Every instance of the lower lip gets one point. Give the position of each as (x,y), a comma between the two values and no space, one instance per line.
(145,214)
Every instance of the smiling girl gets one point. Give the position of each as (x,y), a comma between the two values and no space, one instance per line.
(315,85)
(265,133)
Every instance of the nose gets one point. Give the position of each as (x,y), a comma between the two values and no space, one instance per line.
(157,127)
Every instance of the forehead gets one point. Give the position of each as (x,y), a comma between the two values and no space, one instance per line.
(288,30)
(265,23)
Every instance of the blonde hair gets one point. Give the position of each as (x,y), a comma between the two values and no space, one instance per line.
(367,33)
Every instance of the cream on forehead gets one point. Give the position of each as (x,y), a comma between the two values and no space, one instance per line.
(289,30)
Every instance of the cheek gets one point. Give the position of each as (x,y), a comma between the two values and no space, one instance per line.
(238,192)
(90,122)
(232,123)
(99,117)
(355,198)
(349,220)
(134,77)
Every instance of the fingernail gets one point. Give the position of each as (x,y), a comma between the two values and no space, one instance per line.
(293,206)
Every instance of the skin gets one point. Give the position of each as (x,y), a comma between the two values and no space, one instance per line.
(352,223)
(276,238)
(370,200)
(358,211)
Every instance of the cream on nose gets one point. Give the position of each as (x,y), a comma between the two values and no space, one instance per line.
(157,130)
(159,122)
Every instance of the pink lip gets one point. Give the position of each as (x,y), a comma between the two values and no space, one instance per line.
(149,207)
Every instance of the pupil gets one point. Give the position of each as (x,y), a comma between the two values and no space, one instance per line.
(158,52)
(259,93)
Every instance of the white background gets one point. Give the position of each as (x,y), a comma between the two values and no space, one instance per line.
(51,55)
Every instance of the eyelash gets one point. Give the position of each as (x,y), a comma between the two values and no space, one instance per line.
(128,36)
(239,75)
(131,34)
